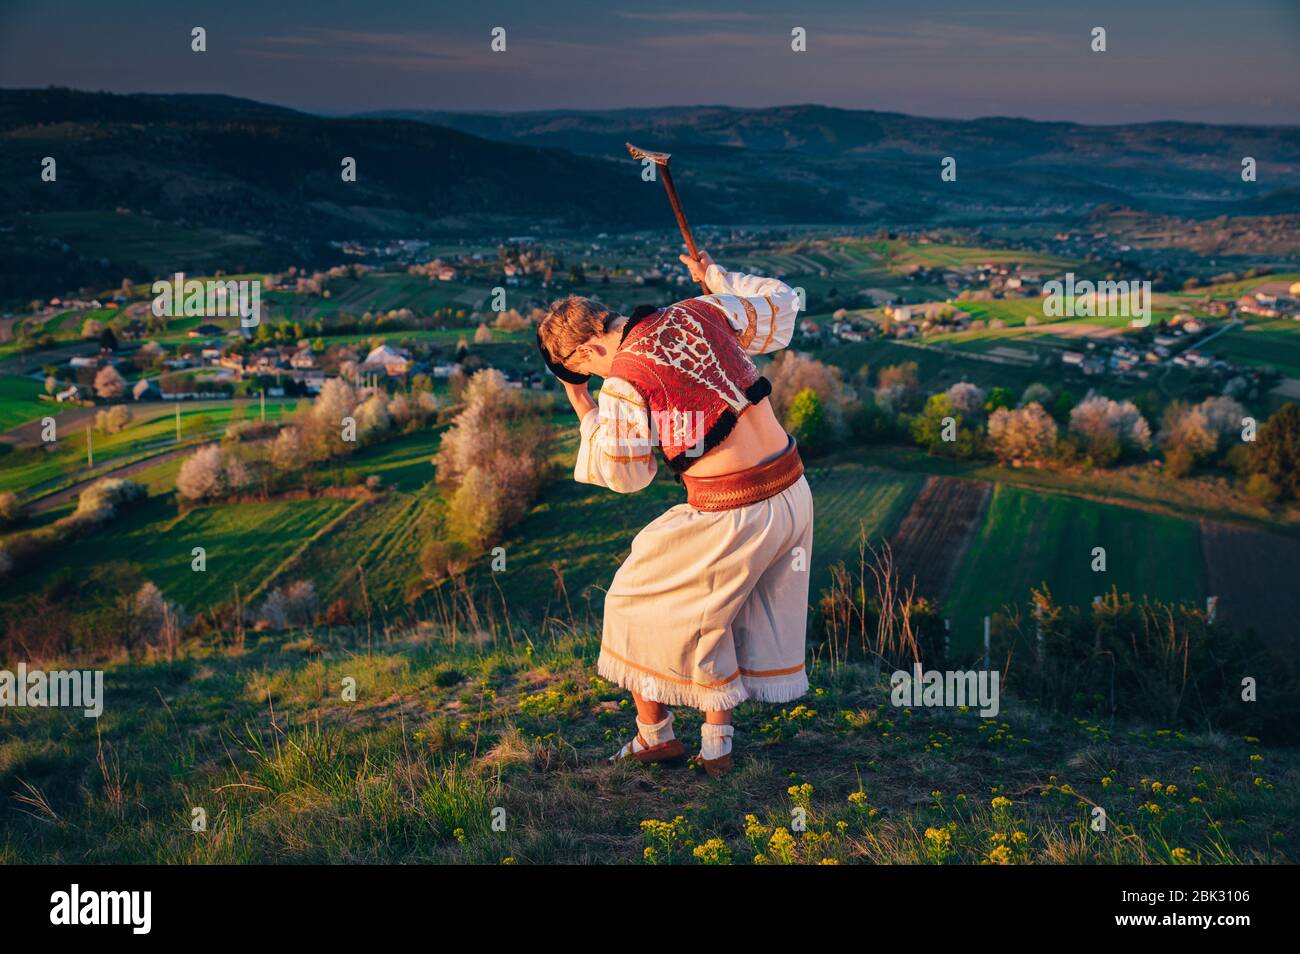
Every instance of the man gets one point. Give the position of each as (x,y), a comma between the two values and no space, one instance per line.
(710,608)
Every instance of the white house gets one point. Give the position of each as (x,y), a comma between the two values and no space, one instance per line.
(389,360)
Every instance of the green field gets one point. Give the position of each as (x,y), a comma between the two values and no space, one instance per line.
(1262,342)
(901,254)
(1030,538)
(153,428)
(852,501)
(245,544)
(19,403)
(384,536)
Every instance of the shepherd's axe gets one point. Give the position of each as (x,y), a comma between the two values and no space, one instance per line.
(660,159)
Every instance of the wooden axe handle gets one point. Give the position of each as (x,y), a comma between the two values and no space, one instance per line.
(682,224)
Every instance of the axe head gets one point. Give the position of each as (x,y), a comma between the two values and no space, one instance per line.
(658,158)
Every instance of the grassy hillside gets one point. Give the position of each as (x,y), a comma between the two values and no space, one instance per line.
(439,745)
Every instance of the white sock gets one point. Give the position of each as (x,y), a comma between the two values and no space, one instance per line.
(657,733)
(715,740)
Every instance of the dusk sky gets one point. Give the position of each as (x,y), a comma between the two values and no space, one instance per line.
(1202,60)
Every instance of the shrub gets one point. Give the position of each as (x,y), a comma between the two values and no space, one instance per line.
(12,511)
(440,559)
(510,320)
(1109,428)
(966,398)
(479,508)
(1276,454)
(932,426)
(109,383)
(156,621)
(1179,461)
(293,605)
(113,420)
(806,422)
(1201,432)
(1166,663)
(791,374)
(499,445)
(1025,434)
(999,397)
(287,450)
(102,499)
(898,386)
(1261,487)
(339,613)
(1036,393)
(372,417)
(201,476)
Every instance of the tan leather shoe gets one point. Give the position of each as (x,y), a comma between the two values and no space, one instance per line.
(715,767)
(663,752)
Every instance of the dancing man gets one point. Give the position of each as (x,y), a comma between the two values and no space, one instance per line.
(710,608)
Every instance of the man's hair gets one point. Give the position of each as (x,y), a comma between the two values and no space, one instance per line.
(571,322)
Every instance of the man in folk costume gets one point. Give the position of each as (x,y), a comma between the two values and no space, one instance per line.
(710,607)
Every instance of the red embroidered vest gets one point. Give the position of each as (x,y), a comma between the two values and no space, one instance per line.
(686,363)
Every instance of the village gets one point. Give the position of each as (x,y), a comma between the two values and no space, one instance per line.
(317,325)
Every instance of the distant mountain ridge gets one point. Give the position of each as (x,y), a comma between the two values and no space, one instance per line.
(882,163)
(268,166)
(148,182)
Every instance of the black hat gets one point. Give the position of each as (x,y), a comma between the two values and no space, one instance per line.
(557,369)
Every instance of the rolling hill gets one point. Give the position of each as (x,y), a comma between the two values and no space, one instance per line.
(265,183)
(886,165)
(148,184)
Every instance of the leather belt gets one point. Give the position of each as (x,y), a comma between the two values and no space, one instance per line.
(729,491)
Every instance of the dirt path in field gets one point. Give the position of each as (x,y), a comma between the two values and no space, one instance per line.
(70,493)
(1253,575)
(934,536)
(29,434)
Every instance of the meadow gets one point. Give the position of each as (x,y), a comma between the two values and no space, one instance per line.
(493,752)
